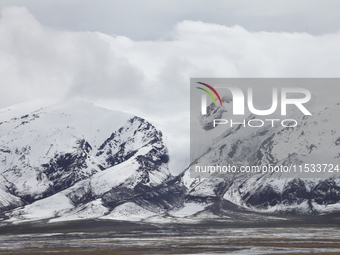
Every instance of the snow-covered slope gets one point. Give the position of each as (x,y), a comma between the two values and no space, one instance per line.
(72,159)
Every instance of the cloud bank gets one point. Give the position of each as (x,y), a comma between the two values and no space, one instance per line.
(149,78)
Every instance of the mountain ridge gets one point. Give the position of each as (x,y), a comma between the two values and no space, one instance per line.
(78,161)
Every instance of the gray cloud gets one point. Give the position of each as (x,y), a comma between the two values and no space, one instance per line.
(40,62)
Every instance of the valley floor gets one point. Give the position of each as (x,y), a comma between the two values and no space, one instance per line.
(298,235)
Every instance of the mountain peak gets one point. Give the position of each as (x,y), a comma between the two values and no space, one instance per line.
(78,152)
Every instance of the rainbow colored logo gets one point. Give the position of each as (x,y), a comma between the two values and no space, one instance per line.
(209,93)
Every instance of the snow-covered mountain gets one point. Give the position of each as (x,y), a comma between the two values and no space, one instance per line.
(78,160)
(316,139)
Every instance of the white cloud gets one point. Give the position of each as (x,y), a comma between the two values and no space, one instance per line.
(149,78)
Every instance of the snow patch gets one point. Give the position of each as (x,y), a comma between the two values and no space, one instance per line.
(129,212)
(189,209)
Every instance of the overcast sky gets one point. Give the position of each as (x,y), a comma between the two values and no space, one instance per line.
(152,19)
(138,56)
